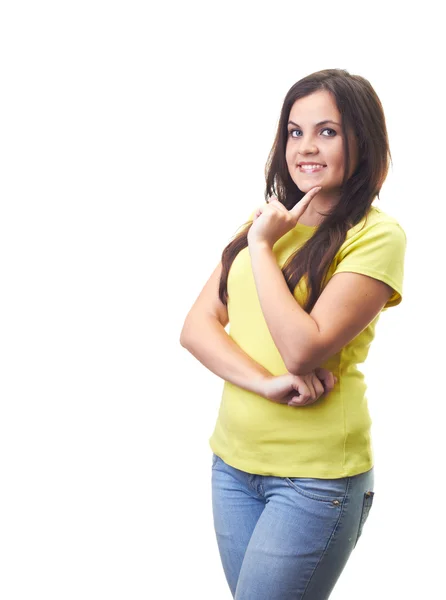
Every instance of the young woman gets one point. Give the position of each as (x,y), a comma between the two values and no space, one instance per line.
(302,286)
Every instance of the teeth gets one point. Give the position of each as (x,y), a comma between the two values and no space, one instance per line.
(310,166)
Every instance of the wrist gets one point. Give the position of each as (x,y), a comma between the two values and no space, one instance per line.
(259,385)
(258,245)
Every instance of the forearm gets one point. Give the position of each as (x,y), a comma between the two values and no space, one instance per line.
(294,332)
(206,339)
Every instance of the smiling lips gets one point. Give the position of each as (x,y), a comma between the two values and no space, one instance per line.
(310,167)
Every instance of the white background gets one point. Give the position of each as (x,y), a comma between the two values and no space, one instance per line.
(133,142)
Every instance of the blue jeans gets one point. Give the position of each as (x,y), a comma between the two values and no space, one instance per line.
(285,538)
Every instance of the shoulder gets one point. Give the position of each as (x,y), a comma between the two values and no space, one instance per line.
(377,242)
(376,227)
(375,218)
(375,247)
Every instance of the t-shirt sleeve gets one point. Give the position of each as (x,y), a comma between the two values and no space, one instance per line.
(378,252)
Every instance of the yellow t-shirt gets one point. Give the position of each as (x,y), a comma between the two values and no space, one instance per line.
(330,438)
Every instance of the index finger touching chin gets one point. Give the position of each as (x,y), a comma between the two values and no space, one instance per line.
(312,193)
(301,206)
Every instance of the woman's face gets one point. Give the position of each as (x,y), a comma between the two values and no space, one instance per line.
(315,145)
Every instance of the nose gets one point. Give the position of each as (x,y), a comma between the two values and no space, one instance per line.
(307,145)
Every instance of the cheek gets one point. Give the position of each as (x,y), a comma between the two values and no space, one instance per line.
(338,160)
(289,158)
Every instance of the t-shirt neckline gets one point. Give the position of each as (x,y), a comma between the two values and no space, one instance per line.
(306,227)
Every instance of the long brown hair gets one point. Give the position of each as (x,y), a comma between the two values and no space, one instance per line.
(362,114)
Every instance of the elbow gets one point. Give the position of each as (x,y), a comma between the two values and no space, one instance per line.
(189,332)
(184,341)
(184,336)
(301,364)
(293,364)
(295,368)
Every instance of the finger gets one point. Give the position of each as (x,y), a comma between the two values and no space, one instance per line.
(303,392)
(311,394)
(298,210)
(321,373)
(328,382)
(268,208)
(276,203)
(259,211)
(297,401)
(326,377)
(316,389)
(312,386)
(319,388)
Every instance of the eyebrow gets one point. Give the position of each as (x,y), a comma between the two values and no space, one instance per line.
(317,124)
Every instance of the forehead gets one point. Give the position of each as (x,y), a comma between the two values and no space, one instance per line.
(316,107)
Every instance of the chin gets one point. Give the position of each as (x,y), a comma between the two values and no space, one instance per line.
(307,186)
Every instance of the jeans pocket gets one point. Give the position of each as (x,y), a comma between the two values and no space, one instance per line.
(366,506)
(323,490)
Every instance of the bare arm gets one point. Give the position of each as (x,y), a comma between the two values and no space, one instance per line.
(205,337)
(307,340)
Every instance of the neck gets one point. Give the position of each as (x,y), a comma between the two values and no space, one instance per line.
(320,204)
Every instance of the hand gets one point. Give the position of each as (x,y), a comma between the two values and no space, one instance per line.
(299,390)
(273,220)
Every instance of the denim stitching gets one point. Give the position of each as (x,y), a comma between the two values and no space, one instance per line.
(309,495)
(366,506)
(341,512)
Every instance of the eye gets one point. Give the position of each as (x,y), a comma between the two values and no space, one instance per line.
(291,131)
(326,132)
(332,132)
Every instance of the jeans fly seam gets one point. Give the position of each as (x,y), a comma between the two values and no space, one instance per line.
(253,486)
